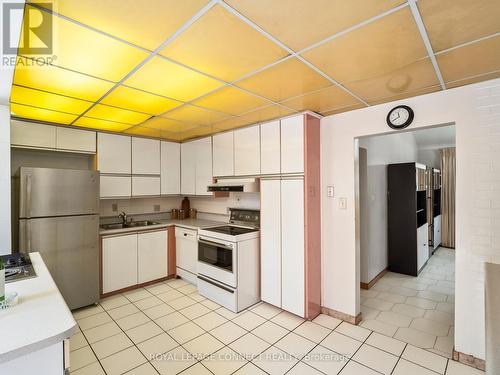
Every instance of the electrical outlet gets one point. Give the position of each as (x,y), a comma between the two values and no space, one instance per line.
(114,207)
(343,203)
(156,208)
(330,191)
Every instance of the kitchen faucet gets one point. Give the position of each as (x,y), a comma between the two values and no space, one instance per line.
(123,216)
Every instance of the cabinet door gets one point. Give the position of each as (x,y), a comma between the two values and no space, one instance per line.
(119,262)
(145,186)
(292,145)
(292,245)
(223,154)
(170,168)
(114,153)
(75,140)
(270,241)
(115,186)
(152,256)
(188,168)
(247,151)
(437,231)
(145,156)
(422,246)
(28,134)
(270,148)
(204,177)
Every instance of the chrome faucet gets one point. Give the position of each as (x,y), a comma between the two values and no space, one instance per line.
(123,216)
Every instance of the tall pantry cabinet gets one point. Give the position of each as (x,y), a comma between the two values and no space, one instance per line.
(290,220)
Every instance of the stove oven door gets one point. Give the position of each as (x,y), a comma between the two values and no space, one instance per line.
(217,260)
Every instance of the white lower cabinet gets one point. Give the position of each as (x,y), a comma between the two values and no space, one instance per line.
(186,254)
(422,246)
(119,262)
(132,259)
(115,186)
(437,231)
(152,256)
(282,244)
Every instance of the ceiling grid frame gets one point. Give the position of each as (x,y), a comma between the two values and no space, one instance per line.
(426,40)
(292,54)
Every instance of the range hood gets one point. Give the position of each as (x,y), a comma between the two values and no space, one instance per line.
(249,185)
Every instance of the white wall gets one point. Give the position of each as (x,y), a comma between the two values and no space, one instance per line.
(381,151)
(430,157)
(475,109)
(217,208)
(5,214)
(138,206)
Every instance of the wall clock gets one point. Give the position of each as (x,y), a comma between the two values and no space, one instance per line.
(400,117)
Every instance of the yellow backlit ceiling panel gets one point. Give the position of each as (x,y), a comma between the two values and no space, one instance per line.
(40,114)
(381,47)
(105,112)
(182,69)
(453,22)
(145,23)
(221,45)
(231,100)
(165,78)
(42,99)
(86,51)
(100,124)
(474,59)
(137,100)
(299,23)
(59,81)
(282,81)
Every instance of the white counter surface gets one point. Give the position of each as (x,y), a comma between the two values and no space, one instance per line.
(40,319)
(194,224)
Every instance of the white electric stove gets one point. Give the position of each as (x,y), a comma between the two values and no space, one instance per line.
(229,261)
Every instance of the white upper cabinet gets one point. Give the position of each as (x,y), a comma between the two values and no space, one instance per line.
(188,168)
(170,168)
(145,156)
(270,148)
(75,140)
(114,153)
(204,176)
(145,186)
(223,154)
(27,134)
(292,144)
(115,186)
(247,151)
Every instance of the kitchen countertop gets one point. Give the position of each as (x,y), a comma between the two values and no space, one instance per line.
(40,319)
(194,224)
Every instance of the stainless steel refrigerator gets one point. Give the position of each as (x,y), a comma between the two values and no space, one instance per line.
(59,217)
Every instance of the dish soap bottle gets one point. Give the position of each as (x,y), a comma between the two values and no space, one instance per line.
(2,281)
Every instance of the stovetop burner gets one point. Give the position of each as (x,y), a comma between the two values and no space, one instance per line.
(231,230)
(17,267)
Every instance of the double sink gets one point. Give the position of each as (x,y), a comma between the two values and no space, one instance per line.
(132,224)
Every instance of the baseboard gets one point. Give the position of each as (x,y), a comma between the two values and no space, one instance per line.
(374,281)
(342,316)
(469,360)
(137,286)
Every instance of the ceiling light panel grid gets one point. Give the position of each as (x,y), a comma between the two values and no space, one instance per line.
(217,65)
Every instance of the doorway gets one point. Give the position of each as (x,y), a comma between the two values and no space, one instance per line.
(414,303)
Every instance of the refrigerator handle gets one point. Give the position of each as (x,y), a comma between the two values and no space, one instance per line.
(28,196)
(28,236)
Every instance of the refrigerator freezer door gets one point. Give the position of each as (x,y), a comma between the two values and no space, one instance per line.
(48,192)
(69,246)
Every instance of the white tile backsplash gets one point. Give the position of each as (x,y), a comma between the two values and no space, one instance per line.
(138,205)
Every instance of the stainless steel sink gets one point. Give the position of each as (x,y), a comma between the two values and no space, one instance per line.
(144,223)
(132,224)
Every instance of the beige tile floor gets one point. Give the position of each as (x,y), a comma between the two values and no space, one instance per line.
(169,328)
(417,310)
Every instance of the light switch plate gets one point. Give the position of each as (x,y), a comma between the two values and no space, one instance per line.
(330,191)
(343,203)
(114,207)
(156,208)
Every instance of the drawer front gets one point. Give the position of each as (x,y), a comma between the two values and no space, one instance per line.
(222,295)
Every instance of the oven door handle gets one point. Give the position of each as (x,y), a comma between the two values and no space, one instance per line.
(206,242)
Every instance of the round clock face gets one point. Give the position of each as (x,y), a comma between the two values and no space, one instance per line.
(400,117)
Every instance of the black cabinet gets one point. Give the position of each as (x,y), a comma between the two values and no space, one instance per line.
(407,218)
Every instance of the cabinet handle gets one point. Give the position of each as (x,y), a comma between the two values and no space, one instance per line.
(185,234)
